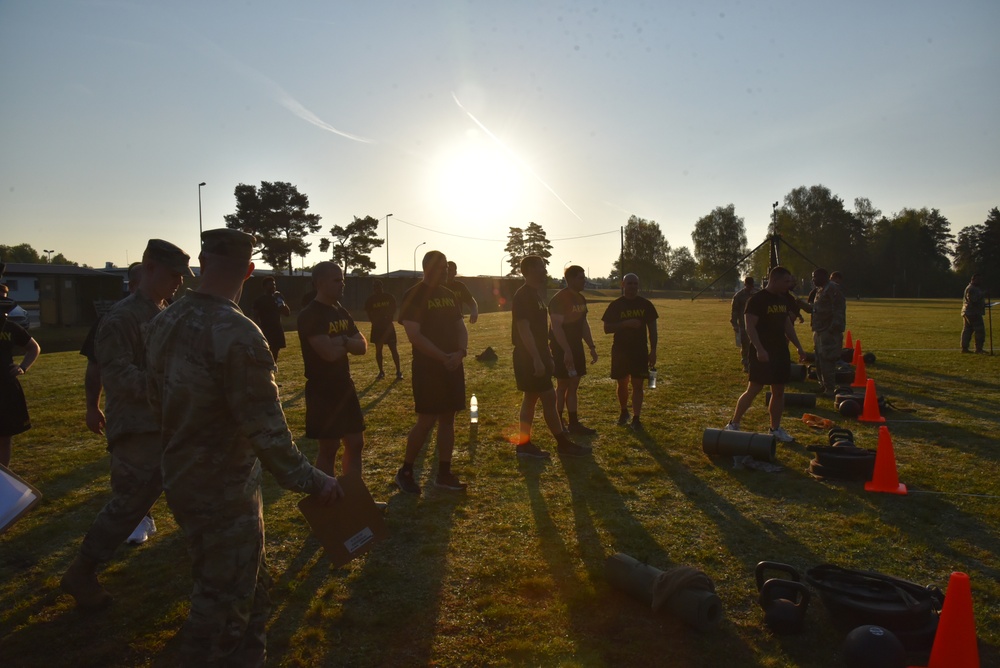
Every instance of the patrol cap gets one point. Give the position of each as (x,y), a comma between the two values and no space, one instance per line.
(228,243)
(169,255)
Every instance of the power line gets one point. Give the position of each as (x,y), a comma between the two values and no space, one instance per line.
(463,236)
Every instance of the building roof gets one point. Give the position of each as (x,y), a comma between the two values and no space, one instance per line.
(29,269)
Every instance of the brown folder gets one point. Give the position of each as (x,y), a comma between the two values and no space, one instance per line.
(349,527)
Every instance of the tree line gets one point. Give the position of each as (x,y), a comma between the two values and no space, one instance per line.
(911,253)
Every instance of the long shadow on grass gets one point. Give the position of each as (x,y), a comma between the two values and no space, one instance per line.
(594,497)
(748,541)
(394,594)
(619,630)
(49,630)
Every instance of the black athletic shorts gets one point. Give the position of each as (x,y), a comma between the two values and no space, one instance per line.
(332,410)
(776,371)
(13,408)
(579,359)
(629,362)
(437,390)
(383,334)
(524,372)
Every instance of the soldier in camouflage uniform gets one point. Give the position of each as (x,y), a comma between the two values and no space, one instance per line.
(738,320)
(973,310)
(133,433)
(829,315)
(211,387)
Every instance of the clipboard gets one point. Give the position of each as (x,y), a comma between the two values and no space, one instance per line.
(348,528)
(17,497)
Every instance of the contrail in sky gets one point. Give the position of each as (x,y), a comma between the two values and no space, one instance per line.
(278,93)
(514,157)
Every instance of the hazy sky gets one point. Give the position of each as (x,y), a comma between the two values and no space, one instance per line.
(463,119)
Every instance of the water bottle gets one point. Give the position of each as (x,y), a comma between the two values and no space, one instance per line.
(473,410)
(652,379)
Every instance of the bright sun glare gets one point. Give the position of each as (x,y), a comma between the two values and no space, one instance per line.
(476,178)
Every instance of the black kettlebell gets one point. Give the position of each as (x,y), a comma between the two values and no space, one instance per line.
(784,613)
(760,574)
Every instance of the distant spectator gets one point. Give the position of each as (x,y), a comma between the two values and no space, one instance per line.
(14,417)
(973,310)
(268,309)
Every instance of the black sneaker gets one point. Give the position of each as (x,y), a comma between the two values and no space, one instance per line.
(531,451)
(623,419)
(449,481)
(380,376)
(405,482)
(636,424)
(577,428)
(399,375)
(568,448)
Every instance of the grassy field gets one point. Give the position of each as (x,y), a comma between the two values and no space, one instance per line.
(512,573)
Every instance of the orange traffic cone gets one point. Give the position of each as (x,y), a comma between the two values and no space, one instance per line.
(848,342)
(860,374)
(955,641)
(857,352)
(885,478)
(870,412)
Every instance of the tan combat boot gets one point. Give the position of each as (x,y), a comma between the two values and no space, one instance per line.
(80,582)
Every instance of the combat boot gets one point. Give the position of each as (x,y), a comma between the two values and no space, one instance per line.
(80,582)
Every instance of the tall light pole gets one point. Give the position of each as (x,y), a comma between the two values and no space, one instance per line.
(415,255)
(501,263)
(387,217)
(199,212)
(49,254)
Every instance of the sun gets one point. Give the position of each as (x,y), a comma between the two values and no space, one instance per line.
(477,179)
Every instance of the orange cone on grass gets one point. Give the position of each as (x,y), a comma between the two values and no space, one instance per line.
(857,352)
(885,478)
(870,412)
(860,374)
(955,641)
(848,342)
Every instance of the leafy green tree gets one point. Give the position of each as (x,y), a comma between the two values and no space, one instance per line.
(515,248)
(26,254)
(817,228)
(720,242)
(683,269)
(353,244)
(277,214)
(978,251)
(910,253)
(536,242)
(646,253)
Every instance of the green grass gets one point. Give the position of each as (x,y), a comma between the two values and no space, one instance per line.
(511,574)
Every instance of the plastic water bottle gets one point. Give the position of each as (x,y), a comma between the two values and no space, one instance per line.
(652,379)
(473,410)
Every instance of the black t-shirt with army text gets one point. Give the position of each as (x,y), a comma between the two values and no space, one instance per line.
(528,305)
(381,309)
(436,309)
(572,306)
(772,313)
(627,309)
(317,319)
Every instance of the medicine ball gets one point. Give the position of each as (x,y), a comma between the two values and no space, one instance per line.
(872,646)
(850,408)
(869,358)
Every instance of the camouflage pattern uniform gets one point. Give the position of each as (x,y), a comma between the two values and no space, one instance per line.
(211,385)
(738,320)
(133,433)
(973,310)
(829,315)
